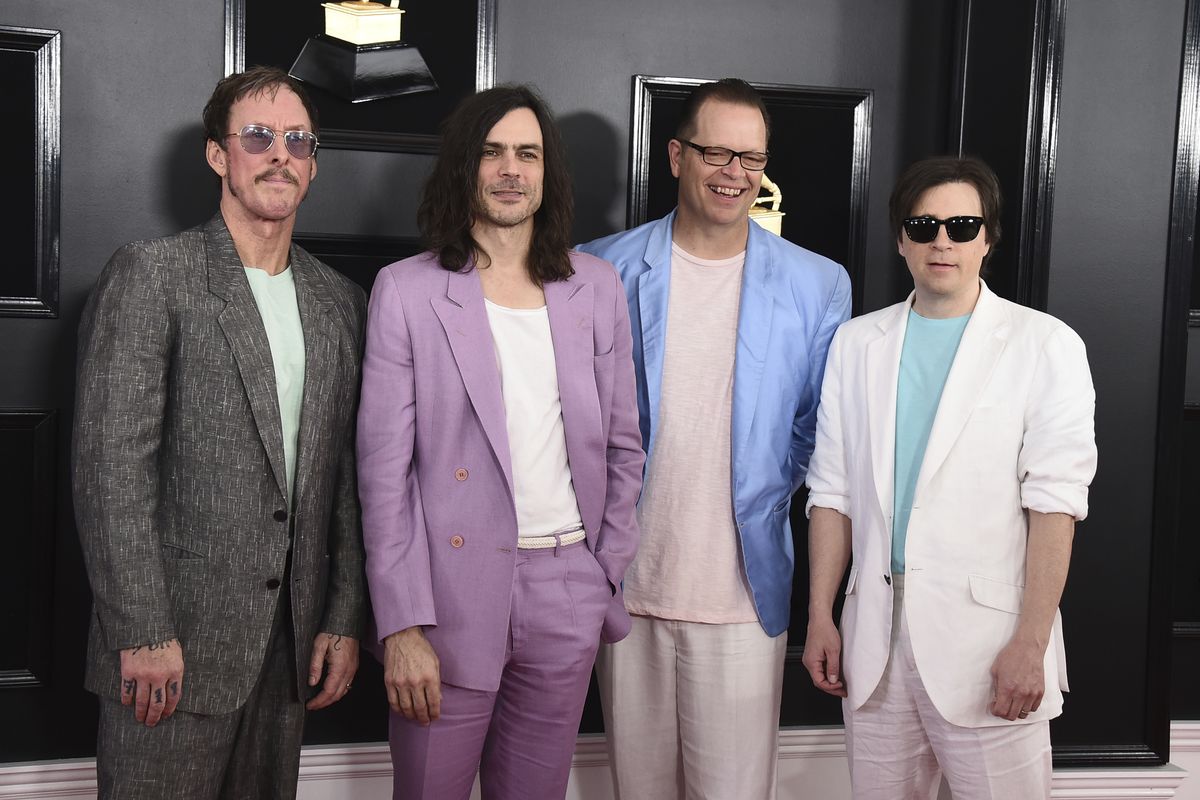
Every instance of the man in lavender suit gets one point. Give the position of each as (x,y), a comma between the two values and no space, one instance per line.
(499,461)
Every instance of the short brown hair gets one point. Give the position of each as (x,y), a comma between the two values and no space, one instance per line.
(726,90)
(251,83)
(924,175)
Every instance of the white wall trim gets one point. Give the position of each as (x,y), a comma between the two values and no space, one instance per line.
(362,770)
(1185,737)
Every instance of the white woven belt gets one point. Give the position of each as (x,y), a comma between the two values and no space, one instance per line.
(542,542)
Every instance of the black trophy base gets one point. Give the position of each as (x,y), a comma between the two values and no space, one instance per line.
(361,72)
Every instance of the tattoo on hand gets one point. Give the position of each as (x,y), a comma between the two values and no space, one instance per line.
(158,698)
(129,686)
(174,688)
(154,646)
(337,642)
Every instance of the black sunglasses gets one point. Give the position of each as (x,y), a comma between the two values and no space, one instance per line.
(923,230)
(257,139)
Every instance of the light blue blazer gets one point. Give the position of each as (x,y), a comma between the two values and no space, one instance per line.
(792,301)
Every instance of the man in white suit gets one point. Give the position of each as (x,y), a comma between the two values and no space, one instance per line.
(955,444)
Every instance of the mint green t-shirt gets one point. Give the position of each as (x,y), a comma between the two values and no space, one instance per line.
(275,296)
(925,361)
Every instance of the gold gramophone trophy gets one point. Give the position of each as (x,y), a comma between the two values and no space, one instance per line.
(770,218)
(362,55)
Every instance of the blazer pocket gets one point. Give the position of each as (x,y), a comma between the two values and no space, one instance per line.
(172,551)
(852,581)
(999,595)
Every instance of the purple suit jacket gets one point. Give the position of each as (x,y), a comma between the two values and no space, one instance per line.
(435,477)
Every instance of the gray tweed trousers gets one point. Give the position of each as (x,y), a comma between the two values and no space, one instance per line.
(252,753)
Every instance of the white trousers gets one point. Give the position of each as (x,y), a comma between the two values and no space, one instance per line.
(691,710)
(899,745)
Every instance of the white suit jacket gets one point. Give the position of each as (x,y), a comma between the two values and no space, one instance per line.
(1014,430)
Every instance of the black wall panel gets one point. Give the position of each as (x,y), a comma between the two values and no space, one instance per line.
(27,477)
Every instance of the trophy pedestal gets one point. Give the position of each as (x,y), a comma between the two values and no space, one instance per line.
(771,220)
(362,72)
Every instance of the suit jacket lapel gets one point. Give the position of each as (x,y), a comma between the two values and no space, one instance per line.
(570,307)
(755,310)
(882,368)
(464,318)
(653,288)
(321,345)
(979,350)
(243,328)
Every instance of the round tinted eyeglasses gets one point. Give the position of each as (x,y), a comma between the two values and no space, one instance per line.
(923,230)
(257,139)
(722,156)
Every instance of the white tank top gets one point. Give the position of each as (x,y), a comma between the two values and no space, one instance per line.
(537,444)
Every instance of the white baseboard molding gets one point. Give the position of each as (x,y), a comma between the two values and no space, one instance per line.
(808,757)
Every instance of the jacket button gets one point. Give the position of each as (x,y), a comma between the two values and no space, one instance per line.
(281,516)
(273,583)
(460,474)
(456,541)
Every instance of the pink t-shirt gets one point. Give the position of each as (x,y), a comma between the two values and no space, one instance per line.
(689,566)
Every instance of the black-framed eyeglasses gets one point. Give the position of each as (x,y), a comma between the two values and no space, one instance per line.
(923,230)
(257,139)
(723,156)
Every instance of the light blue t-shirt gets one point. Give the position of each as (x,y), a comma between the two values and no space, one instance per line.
(275,296)
(929,348)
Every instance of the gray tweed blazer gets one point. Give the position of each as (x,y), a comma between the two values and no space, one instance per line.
(179,479)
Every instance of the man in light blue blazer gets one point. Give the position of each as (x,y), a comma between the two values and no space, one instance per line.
(731,325)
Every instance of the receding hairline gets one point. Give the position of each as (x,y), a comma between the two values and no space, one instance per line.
(711,101)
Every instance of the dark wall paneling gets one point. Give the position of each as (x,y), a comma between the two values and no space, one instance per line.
(1177,503)
(456,40)
(824,199)
(358,257)
(361,716)
(1005,110)
(1185,601)
(29,171)
(27,474)
(1109,281)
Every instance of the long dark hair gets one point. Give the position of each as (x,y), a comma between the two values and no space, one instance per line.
(448,203)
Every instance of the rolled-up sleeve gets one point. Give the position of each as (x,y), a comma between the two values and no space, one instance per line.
(1058,451)
(826,479)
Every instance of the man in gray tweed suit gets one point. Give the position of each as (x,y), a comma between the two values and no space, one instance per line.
(214,475)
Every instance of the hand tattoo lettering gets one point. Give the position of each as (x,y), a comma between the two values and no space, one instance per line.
(129,686)
(155,646)
(158,698)
(337,642)
(174,688)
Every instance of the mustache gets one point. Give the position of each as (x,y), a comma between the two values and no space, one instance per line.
(279,172)
(507,186)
